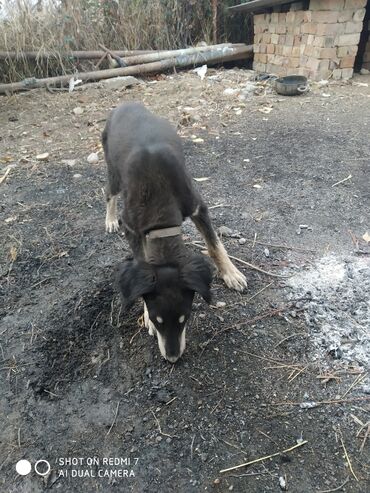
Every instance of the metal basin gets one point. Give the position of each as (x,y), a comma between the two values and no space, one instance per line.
(292,85)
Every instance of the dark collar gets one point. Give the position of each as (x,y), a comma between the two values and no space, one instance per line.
(163,233)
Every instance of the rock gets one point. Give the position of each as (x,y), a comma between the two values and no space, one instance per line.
(77,175)
(266,251)
(78,110)
(120,82)
(220,304)
(225,231)
(42,157)
(364,71)
(242,241)
(93,158)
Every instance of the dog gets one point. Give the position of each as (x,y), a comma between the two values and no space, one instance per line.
(145,163)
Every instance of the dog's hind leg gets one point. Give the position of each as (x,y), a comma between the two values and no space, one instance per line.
(228,272)
(111,217)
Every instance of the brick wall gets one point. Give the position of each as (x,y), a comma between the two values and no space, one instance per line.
(317,42)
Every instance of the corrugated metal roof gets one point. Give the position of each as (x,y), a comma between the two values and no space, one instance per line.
(255,5)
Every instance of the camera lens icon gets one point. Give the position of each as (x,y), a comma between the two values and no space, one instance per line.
(41,467)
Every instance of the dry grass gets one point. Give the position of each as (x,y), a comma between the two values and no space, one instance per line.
(60,26)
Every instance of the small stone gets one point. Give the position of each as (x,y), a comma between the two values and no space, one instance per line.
(220,304)
(93,158)
(266,251)
(242,241)
(42,157)
(78,110)
(77,175)
(364,71)
(282,483)
(120,82)
(217,481)
(158,438)
(204,457)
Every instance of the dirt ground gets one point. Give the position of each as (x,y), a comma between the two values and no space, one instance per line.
(84,388)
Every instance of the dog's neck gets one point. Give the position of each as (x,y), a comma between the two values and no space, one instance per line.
(165,245)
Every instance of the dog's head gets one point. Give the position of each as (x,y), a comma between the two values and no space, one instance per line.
(168,293)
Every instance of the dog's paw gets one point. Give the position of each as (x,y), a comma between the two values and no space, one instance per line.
(234,279)
(112,226)
(152,331)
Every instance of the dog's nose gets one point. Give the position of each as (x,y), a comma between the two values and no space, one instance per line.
(172,359)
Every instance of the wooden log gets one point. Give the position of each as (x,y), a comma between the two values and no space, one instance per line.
(163,55)
(81,55)
(209,57)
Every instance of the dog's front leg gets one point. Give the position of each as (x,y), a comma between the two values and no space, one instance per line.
(148,323)
(228,272)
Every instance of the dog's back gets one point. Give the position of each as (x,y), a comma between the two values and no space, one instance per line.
(145,161)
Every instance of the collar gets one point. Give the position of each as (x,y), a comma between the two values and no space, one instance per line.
(163,233)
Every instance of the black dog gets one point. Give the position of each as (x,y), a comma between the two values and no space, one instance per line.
(146,163)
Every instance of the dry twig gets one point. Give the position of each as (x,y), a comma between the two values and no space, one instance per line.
(114,419)
(263,458)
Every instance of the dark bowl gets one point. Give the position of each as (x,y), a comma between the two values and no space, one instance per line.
(292,85)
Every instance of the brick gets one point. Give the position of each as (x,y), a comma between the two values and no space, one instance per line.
(347,39)
(266,38)
(275,18)
(325,16)
(303,59)
(337,74)
(345,15)
(297,40)
(258,38)
(303,71)
(325,29)
(259,67)
(263,58)
(333,64)
(359,15)
(308,28)
(290,17)
(281,28)
(310,39)
(259,19)
(279,49)
(307,16)
(347,62)
(328,53)
(347,73)
(299,16)
(302,48)
(282,18)
(274,39)
(270,49)
(343,51)
(272,28)
(282,39)
(293,62)
(296,29)
(337,5)
(263,48)
(354,4)
(287,50)
(353,27)
(296,51)
(289,39)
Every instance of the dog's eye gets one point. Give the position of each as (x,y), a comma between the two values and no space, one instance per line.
(181,319)
(159,320)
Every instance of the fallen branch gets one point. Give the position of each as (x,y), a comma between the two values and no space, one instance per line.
(320,403)
(263,458)
(209,57)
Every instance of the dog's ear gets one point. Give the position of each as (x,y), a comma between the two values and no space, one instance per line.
(197,275)
(134,279)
